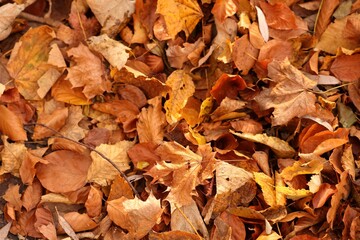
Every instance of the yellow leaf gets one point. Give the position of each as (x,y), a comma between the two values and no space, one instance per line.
(267,186)
(136,216)
(179,15)
(182,88)
(101,171)
(272,236)
(314,166)
(280,147)
(280,197)
(28,60)
(293,194)
(206,107)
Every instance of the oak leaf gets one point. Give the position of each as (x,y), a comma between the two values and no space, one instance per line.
(136,216)
(182,87)
(101,171)
(289,94)
(85,61)
(179,15)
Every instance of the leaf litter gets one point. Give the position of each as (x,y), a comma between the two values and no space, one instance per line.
(175,119)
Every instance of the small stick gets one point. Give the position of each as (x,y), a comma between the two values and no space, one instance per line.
(34,18)
(92,149)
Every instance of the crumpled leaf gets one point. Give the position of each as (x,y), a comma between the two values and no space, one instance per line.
(179,15)
(314,166)
(182,87)
(8,13)
(101,171)
(78,74)
(29,60)
(227,86)
(136,216)
(112,14)
(280,147)
(70,167)
(290,94)
(178,55)
(11,125)
(293,194)
(113,51)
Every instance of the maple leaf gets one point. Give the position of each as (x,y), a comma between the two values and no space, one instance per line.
(182,87)
(179,15)
(184,166)
(290,94)
(86,62)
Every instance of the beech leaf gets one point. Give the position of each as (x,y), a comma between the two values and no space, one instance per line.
(8,13)
(11,125)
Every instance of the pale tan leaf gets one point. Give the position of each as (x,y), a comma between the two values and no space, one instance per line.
(267,186)
(188,219)
(151,122)
(113,51)
(179,15)
(182,87)
(71,129)
(280,147)
(8,13)
(136,216)
(101,171)
(263,26)
(12,156)
(111,14)
(4,231)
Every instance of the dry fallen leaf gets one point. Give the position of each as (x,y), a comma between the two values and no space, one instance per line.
(136,216)
(8,13)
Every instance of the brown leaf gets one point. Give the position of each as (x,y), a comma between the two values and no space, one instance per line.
(79,222)
(223,9)
(132,94)
(173,235)
(247,126)
(151,123)
(13,197)
(354,93)
(45,223)
(55,120)
(84,62)
(347,160)
(120,188)
(324,16)
(289,94)
(244,54)
(322,195)
(136,216)
(178,55)
(11,125)
(93,203)
(70,167)
(345,68)
(32,195)
(278,16)
(12,156)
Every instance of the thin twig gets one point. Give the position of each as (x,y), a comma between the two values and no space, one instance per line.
(34,18)
(94,150)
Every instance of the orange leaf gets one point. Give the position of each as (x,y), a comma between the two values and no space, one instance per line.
(278,16)
(324,16)
(70,167)
(244,54)
(93,203)
(13,197)
(11,125)
(54,120)
(345,68)
(79,222)
(223,9)
(227,86)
